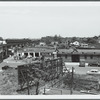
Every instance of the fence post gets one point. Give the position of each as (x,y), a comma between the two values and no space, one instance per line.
(37,86)
(71,91)
(44,91)
(99,85)
(61,92)
(27,82)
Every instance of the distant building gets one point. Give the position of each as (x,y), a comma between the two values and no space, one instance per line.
(84,45)
(3,42)
(54,43)
(36,52)
(75,55)
(76,43)
(42,43)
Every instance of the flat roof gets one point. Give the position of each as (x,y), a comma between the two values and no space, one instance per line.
(63,51)
(80,51)
(47,50)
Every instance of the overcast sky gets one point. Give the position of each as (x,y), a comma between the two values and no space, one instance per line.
(38,19)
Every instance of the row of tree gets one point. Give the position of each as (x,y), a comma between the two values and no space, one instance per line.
(59,39)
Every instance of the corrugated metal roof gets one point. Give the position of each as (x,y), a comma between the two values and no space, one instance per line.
(37,50)
(80,51)
(63,51)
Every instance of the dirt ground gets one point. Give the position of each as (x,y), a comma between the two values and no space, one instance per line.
(9,80)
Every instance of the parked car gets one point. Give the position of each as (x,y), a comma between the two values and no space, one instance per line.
(5,67)
(93,72)
(94,64)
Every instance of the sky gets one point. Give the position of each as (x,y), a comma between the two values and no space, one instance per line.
(40,19)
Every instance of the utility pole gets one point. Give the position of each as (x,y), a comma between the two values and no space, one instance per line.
(27,82)
(2,51)
(71,91)
(37,87)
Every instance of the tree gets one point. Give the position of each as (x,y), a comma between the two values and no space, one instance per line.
(74,39)
(55,38)
(95,37)
(1,39)
(91,40)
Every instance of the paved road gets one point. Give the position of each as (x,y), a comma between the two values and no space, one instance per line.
(80,70)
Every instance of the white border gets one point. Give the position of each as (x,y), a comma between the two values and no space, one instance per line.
(65,3)
(49,3)
(50,97)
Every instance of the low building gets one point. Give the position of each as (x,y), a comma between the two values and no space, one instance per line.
(36,52)
(84,45)
(76,43)
(42,43)
(75,55)
(3,42)
(68,55)
(54,43)
(18,42)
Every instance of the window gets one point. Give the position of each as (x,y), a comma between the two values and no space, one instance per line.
(98,56)
(37,54)
(59,55)
(31,54)
(26,54)
(66,56)
(85,56)
(91,56)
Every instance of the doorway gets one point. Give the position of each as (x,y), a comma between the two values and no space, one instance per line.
(75,58)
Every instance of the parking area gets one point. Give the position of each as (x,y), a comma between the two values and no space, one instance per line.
(80,70)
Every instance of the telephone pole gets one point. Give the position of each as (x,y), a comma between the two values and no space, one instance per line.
(71,91)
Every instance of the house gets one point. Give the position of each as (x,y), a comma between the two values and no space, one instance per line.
(42,43)
(54,43)
(76,43)
(3,42)
(84,45)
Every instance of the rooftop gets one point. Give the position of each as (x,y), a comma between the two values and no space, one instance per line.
(62,51)
(79,51)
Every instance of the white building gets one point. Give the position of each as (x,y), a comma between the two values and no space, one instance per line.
(54,42)
(3,42)
(76,43)
(42,43)
(84,45)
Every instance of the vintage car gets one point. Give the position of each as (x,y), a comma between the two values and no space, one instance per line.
(5,67)
(94,64)
(93,72)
